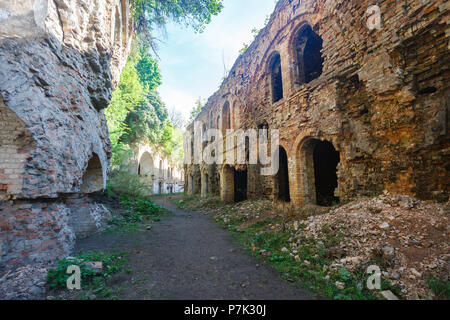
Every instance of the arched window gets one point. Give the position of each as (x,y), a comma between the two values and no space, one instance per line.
(204,136)
(226,118)
(276,78)
(308,57)
(146,165)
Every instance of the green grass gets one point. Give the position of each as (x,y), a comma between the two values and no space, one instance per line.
(313,273)
(137,212)
(440,287)
(92,283)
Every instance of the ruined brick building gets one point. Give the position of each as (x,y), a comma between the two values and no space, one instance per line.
(158,169)
(59,62)
(360,109)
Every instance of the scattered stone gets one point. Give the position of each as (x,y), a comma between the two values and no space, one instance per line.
(388,295)
(97,267)
(384,226)
(340,285)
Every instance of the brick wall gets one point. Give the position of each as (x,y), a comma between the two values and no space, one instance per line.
(382,99)
(15,145)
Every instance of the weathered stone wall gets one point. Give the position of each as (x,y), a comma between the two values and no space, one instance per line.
(59,62)
(158,169)
(381,98)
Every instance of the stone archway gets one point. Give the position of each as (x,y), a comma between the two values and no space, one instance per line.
(318,170)
(93,176)
(240,185)
(146,166)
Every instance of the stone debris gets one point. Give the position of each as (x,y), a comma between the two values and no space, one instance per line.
(24,283)
(413,246)
(388,295)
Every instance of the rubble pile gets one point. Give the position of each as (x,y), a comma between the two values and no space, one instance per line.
(24,283)
(409,237)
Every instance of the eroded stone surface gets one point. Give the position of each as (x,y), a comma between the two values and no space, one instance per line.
(59,62)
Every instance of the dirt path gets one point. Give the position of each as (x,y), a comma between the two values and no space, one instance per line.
(187,256)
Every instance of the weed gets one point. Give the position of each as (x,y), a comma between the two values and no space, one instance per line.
(440,287)
(94,282)
(137,211)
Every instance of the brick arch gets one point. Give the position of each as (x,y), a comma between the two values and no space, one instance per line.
(275,77)
(305,186)
(226,117)
(283,173)
(305,46)
(146,165)
(311,18)
(16,144)
(93,176)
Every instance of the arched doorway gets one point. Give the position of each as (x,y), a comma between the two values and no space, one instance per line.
(319,164)
(93,176)
(146,166)
(282,177)
(240,185)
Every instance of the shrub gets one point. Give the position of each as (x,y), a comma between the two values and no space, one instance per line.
(124,182)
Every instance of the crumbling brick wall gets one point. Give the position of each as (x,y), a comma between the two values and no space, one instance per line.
(15,144)
(381,97)
(59,62)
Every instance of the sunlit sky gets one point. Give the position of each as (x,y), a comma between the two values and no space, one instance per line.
(192,65)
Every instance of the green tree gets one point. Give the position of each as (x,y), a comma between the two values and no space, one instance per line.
(196,110)
(147,122)
(128,95)
(193,13)
(148,69)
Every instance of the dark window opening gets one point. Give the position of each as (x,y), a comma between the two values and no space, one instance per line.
(205,184)
(226,119)
(308,46)
(240,185)
(276,78)
(326,159)
(283,177)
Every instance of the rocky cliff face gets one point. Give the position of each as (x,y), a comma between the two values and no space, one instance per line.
(59,62)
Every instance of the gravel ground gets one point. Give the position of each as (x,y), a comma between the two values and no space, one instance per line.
(187,256)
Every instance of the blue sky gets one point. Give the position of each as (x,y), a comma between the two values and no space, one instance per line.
(192,65)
